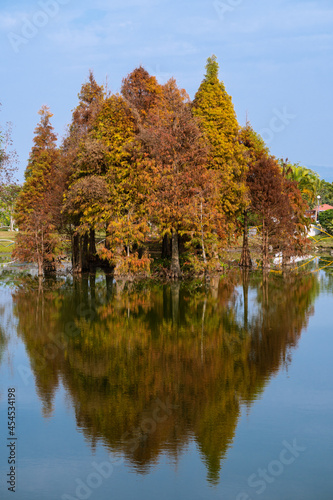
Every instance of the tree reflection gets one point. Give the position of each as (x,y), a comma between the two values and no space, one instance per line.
(202,351)
(3,342)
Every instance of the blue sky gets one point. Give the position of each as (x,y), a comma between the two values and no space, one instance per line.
(275,60)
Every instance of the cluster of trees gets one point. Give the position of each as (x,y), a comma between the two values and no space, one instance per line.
(150,164)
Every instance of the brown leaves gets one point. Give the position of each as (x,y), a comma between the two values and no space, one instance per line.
(141,91)
(279,204)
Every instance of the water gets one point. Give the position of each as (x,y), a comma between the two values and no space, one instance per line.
(168,391)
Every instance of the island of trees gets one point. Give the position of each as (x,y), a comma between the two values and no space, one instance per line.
(149,168)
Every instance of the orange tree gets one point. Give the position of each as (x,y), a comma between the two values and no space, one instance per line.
(279,206)
(254,150)
(36,203)
(181,195)
(82,156)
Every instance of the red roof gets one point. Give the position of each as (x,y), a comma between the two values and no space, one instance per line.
(324,207)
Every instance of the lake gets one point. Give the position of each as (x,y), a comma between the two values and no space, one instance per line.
(221,390)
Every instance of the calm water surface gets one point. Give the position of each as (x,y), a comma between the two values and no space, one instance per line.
(168,392)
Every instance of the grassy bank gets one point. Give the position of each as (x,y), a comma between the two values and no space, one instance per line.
(6,247)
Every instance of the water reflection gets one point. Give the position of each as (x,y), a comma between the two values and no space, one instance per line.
(150,368)
(3,341)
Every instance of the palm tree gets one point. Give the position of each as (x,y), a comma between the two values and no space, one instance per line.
(308,182)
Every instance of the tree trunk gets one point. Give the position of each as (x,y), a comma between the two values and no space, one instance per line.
(76,254)
(107,241)
(40,265)
(265,259)
(92,245)
(175,289)
(202,330)
(245,276)
(84,251)
(165,247)
(49,266)
(202,236)
(109,285)
(245,260)
(175,266)
(92,283)
(265,302)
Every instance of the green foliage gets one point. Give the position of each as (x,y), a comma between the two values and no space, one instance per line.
(326,220)
(325,192)
(8,157)
(307,180)
(8,195)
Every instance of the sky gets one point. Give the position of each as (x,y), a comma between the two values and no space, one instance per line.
(275,60)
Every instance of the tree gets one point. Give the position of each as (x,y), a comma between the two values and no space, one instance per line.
(276,201)
(36,205)
(8,157)
(8,188)
(82,155)
(293,241)
(214,109)
(125,218)
(307,181)
(255,149)
(181,189)
(8,197)
(325,191)
(91,98)
(268,201)
(142,92)
(326,220)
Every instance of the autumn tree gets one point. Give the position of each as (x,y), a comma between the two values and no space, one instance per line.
(91,98)
(273,200)
(181,190)
(142,92)
(126,215)
(214,109)
(81,155)
(35,206)
(254,150)
(294,239)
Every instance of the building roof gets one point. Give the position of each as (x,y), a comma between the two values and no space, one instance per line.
(324,207)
